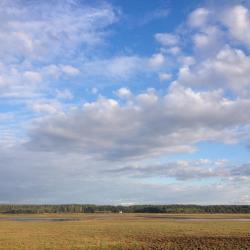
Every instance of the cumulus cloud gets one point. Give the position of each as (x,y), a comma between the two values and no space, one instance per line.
(175,50)
(237,20)
(124,92)
(167,39)
(18,82)
(165,76)
(70,70)
(229,69)
(151,126)
(208,41)
(157,60)
(199,18)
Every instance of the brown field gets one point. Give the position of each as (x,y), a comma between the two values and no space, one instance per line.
(126,231)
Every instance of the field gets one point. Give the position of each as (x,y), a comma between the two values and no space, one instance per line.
(125,231)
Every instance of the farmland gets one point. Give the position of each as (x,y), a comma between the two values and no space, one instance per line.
(125,231)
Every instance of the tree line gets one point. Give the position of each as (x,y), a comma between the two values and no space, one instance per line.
(78,208)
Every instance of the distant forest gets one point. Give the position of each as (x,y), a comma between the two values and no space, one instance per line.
(76,208)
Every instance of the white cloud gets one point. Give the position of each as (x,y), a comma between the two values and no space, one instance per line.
(34,37)
(19,83)
(174,50)
(38,31)
(237,19)
(45,106)
(53,70)
(50,146)
(40,177)
(229,69)
(180,170)
(70,70)
(231,21)
(186,60)
(118,67)
(64,94)
(32,76)
(209,40)
(199,18)
(123,67)
(5,116)
(148,98)
(165,76)
(167,39)
(157,60)
(151,126)
(124,92)
(60,69)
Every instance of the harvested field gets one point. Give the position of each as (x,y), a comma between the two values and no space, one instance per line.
(125,231)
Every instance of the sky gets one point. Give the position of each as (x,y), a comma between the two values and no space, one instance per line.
(125,102)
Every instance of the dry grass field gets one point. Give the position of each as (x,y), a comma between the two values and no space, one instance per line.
(125,231)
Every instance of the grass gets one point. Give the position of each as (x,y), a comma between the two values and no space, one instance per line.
(125,231)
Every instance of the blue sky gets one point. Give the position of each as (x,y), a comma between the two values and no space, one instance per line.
(124,102)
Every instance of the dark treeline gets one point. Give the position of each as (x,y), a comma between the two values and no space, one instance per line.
(77,208)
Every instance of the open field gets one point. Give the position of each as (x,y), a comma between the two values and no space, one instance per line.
(126,231)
